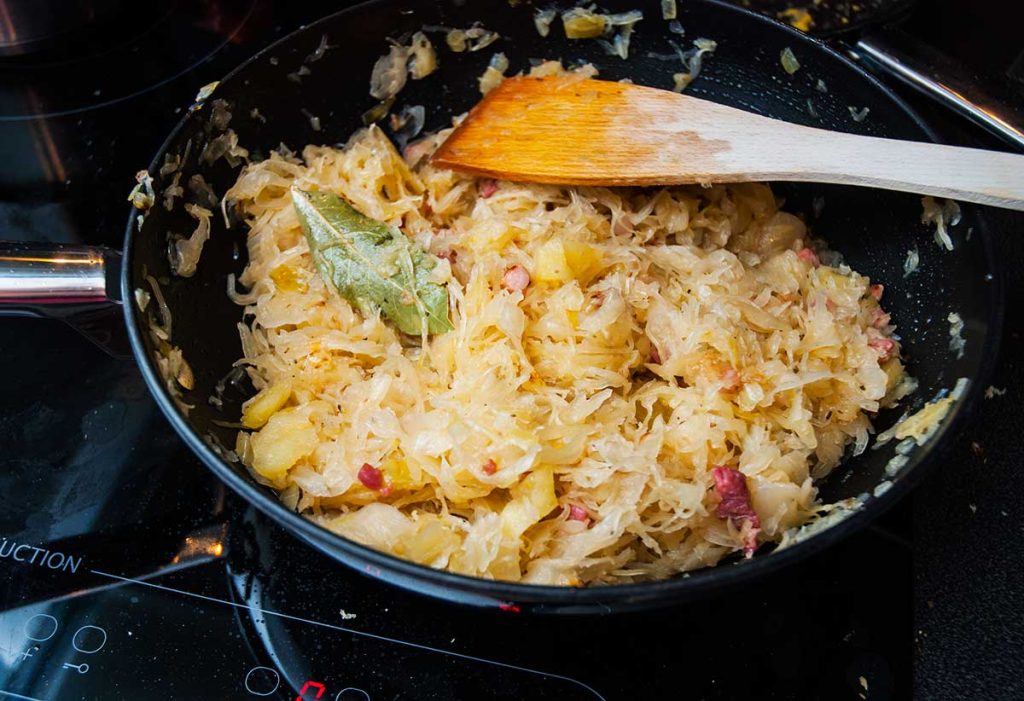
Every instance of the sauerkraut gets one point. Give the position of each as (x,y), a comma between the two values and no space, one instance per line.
(566,431)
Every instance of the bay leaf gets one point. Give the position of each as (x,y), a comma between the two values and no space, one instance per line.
(372,265)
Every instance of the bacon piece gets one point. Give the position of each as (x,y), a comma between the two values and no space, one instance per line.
(730,378)
(884,347)
(413,153)
(515,279)
(876,291)
(578,513)
(371,477)
(488,188)
(731,485)
(655,356)
(490,467)
(879,318)
(808,256)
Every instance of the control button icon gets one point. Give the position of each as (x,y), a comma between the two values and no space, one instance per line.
(262,681)
(89,639)
(80,668)
(40,627)
(312,688)
(352,694)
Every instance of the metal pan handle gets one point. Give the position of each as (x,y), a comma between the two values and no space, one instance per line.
(76,284)
(42,278)
(925,69)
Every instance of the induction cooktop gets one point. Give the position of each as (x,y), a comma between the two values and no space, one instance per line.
(127,571)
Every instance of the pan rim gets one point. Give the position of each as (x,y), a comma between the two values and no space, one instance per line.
(480,591)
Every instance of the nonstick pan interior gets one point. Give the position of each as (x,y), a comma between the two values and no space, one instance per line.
(272,102)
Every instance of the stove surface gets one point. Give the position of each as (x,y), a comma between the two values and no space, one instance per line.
(127,571)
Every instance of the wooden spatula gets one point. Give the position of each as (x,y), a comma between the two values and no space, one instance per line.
(566,130)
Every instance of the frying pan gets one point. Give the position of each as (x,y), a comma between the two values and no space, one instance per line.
(868,31)
(873,229)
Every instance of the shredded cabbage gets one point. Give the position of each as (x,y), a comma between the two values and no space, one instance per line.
(494,73)
(542,20)
(693,60)
(389,73)
(946,214)
(912,262)
(957,342)
(423,59)
(663,332)
(184,253)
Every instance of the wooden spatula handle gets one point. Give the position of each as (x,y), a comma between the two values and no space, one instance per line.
(966,174)
(593,132)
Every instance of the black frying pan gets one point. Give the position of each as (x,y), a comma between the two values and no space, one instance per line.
(868,31)
(873,229)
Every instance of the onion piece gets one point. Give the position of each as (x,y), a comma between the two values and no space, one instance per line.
(142,195)
(172,191)
(162,331)
(319,51)
(580,23)
(624,19)
(542,20)
(456,40)
(957,342)
(494,73)
(298,75)
(940,216)
(141,299)
(407,124)
(788,60)
(423,59)
(378,111)
(859,115)
(619,46)
(693,60)
(184,253)
(205,195)
(480,38)
(911,263)
(388,76)
(171,164)
(314,121)
(224,146)
(220,115)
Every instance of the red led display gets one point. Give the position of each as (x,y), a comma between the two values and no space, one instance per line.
(309,686)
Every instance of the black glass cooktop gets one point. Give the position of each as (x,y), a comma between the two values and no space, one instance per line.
(128,572)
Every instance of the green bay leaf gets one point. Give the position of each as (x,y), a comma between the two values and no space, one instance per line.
(372,265)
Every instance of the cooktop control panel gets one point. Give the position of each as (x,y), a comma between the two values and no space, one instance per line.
(169,638)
